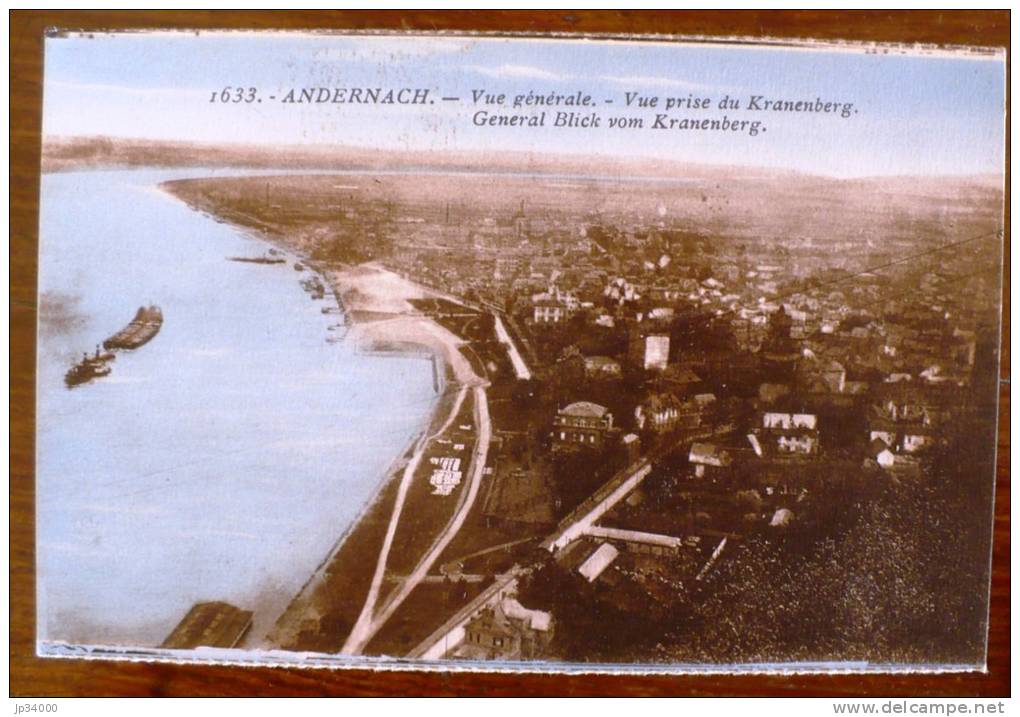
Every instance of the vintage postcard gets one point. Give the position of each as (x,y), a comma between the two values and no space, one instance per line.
(527,353)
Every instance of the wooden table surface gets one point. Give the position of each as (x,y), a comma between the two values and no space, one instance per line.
(32,676)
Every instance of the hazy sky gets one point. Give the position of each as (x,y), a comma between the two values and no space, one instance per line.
(915,114)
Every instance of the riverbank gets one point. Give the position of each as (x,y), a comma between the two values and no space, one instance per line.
(383,316)
(406,527)
(330,604)
(382,299)
(377,304)
(375,301)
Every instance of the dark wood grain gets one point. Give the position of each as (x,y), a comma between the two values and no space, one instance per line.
(32,676)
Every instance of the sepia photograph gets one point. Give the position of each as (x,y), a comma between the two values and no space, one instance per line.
(467,351)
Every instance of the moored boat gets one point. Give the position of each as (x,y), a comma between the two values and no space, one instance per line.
(258,259)
(314,286)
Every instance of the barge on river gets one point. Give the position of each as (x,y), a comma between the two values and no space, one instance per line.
(140,331)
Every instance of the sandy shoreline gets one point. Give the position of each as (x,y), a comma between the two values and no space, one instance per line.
(373,290)
(369,290)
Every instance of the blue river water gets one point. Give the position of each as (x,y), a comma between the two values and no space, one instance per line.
(220,461)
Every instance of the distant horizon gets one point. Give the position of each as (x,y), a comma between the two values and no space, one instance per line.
(522,154)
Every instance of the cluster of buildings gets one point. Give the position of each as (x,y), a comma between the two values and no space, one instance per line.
(765,362)
(772,373)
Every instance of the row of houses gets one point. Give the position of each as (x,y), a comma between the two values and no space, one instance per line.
(903,422)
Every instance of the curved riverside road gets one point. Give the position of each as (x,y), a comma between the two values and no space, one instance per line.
(365,621)
(369,624)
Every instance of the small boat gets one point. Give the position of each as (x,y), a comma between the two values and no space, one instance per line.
(88,368)
(298,266)
(314,287)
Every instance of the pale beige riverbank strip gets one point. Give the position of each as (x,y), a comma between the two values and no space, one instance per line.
(374,291)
